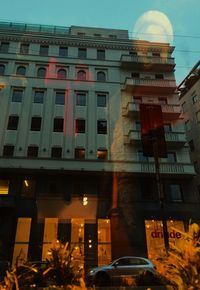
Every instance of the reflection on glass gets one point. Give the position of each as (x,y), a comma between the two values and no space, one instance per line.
(104,242)
(77,241)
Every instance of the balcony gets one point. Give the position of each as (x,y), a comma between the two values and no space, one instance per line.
(171,111)
(173,139)
(149,86)
(147,63)
(168,168)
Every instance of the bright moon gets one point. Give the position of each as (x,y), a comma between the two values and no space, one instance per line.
(154,26)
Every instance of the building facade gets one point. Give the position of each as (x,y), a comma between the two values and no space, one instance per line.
(72,166)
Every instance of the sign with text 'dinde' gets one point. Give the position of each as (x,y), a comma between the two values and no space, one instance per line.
(152,131)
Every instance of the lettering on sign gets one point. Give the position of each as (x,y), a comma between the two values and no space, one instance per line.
(159,234)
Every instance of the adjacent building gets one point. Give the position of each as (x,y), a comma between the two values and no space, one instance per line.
(71,160)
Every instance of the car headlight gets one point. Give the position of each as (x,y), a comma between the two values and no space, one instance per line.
(92,272)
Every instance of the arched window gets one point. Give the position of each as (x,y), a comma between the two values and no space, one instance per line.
(41,73)
(81,75)
(21,70)
(101,76)
(2,69)
(61,74)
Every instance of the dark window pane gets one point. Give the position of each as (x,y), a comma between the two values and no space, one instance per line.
(101,100)
(102,154)
(141,157)
(17,95)
(79,153)
(36,123)
(167,127)
(80,99)
(2,69)
(101,127)
(63,51)
(41,73)
(171,157)
(148,187)
(61,74)
(101,54)
(24,48)
(56,152)
(138,125)
(21,71)
(28,188)
(82,53)
(44,49)
(58,125)
(101,76)
(159,76)
(191,145)
(80,126)
(81,75)
(176,192)
(13,122)
(135,75)
(8,150)
(39,97)
(60,98)
(4,47)
(32,151)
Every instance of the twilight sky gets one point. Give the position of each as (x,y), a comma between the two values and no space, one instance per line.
(174,21)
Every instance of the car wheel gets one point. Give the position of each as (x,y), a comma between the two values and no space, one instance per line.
(102,280)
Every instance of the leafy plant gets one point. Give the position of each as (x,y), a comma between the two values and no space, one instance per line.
(182,264)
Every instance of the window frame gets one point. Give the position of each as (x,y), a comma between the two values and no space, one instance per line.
(63,75)
(13,122)
(56,152)
(179,193)
(100,103)
(40,98)
(57,101)
(44,50)
(81,99)
(63,49)
(24,48)
(101,54)
(17,98)
(101,76)
(34,149)
(8,150)
(4,47)
(78,153)
(34,121)
(21,70)
(80,128)
(82,53)
(100,129)
(43,74)
(58,124)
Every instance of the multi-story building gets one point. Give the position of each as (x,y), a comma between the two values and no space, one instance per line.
(71,159)
(189,99)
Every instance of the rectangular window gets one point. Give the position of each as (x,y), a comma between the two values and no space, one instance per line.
(171,157)
(32,151)
(13,123)
(36,123)
(44,50)
(77,240)
(159,76)
(56,152)
(82,53)
(102,154)
(4,186)
(80,99)
(100,54)
(24,48)
(8,150)
(80,126)
(4,47)
(141,156)
(58,124)
(63,51)
(39,97)
(79,153)
(176,192)
(101,127)
(191,145)
(60,98)
(17,95)
(101,100)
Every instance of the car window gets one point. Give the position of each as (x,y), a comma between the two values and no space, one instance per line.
(123,262)
(137,261)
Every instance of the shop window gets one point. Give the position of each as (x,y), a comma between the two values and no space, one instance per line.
(61,74)
(21,70)
(24,48)
(80,126)
(101,76)
(101,100)
(102,154)
(56,152)
(191,145)
(58,124)
(44,50)
(104,242)
(4,186)
(39,97)
(81,75)
(176,193)
(82,53)
(79,153)
(100,54)
(102,127)
(41,72)
(32,151)
(4,47)
(13,123)
(8,150)
(17,95)
(80,99)
(28,188)
(36,123)
(2,69)
(50,235)
(60,98)
(77,241)
(63,51)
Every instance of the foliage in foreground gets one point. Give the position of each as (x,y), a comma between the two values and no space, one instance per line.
(182,264)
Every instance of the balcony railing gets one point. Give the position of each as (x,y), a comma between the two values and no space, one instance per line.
(147,62)
(171,168)
(171,111)
(155,86)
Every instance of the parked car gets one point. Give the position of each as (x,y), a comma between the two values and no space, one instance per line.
(113,273)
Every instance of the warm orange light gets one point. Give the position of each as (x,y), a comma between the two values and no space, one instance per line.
(26,183)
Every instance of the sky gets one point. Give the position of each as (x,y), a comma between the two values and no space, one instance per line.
(174,21)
